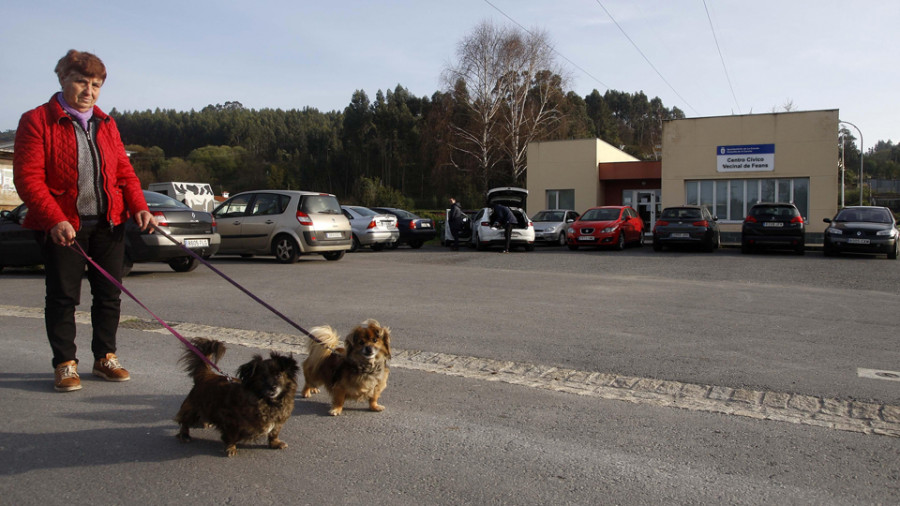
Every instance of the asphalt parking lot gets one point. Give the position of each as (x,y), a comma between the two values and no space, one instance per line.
(506,366)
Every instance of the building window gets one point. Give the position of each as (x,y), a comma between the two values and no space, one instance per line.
(560,199)
(729,199)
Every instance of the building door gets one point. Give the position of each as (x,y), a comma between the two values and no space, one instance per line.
(646,203)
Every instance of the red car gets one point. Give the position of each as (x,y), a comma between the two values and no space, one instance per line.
(606,226)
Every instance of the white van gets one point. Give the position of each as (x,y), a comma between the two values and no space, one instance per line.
(197,196)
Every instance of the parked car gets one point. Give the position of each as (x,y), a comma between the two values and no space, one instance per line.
(283,223)
(414,230)
(195,229)
(615,226)
(776,225)
(686,225)
(862,229)
(371,228)
(484,232)
(550,225)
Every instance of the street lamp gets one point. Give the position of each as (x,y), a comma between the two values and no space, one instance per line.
(841,140)
(860,159)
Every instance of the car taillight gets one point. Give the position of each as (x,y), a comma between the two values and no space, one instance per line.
(661,223)
(750,219)
(215,226)
(160,218)
(304,219)
(797,219)
(372,224)
(412,224)
(701,223)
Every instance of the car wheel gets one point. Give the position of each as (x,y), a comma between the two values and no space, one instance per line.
(641,241)
(478,245)
(829,251)
(745,248)
(183,264)
(334,255)
(378,246)
(892,255)
(355,245)
(800,250)
(416,244)
(710,245)
(657,246)
(395,244)
(127,265)
(620,242)
(529,247)
(285,249)
(573,247)
(562,239)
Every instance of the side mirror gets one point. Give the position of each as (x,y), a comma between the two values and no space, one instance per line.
(827,220)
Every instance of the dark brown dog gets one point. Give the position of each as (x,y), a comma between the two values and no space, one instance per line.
(259,404)
(356,371)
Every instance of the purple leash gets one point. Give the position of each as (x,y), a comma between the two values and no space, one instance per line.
(119,285)
(241,288)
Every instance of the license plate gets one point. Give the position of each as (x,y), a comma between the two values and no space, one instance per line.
(333,235)
(773,224)
(857,241)
(585,238)
(679,235)
(425,225)
(196,243)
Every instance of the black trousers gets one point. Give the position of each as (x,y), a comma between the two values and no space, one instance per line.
(507,234)
(64,269)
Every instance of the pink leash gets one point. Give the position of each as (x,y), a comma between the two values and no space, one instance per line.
(174,332)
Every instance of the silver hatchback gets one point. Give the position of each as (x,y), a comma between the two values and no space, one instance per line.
(283,223)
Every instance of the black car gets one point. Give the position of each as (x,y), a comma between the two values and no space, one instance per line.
(862,229)
(195,229)
(414,230)
(776,225)
(686,225)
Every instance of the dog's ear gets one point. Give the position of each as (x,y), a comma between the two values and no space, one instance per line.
(246,371)
(385,334)
(286,363)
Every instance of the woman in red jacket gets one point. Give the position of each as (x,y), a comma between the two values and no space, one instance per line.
(71,170)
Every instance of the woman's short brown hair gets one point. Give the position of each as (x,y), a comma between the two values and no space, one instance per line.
(85,64)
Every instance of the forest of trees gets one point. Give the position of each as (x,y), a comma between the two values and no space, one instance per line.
(399,143)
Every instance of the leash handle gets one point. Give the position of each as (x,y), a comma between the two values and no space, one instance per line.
(238,286)
(77,247)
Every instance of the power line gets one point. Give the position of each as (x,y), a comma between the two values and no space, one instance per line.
(548,45)
(722,58)
(645,57)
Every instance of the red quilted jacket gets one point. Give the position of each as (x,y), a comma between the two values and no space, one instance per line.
(45,168)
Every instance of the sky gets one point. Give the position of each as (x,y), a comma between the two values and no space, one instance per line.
(712,58)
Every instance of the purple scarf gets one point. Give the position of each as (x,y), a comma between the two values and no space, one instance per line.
(81,117)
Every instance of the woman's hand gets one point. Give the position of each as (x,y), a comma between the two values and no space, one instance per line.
(63,234)
(144,219)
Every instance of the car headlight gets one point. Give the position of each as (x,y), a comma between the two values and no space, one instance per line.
(551,230)
(834,231)
(888,232)
(571,231)
(609,230)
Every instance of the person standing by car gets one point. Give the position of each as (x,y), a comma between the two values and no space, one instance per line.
(71,170)
(505,218)
(456,219)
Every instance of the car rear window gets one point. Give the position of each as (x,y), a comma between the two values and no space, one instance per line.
(320,204)
(681,214)
(774,212)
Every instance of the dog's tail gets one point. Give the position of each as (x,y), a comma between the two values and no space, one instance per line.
(325,341)
(195,366)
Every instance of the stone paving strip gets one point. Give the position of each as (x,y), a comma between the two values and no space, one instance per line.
(833,413)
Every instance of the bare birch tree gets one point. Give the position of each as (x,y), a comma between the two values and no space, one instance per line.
(509,85)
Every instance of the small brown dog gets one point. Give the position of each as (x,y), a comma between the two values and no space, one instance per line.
(356,371)
(259,404)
